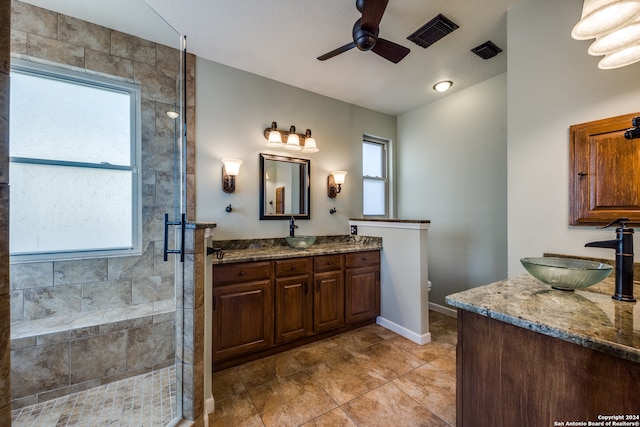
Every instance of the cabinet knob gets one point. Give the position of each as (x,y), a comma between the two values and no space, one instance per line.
(294,267)
(329,263)
(242,273)
(582,174)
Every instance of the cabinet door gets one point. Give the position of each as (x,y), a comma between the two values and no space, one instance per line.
(293,308)
(604,172)
(243,318)
(328,301)
(363,294)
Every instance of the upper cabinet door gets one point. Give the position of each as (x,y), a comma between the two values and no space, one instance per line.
(604,172)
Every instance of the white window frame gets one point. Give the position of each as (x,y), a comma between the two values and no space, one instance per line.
(367,139)
(95,81)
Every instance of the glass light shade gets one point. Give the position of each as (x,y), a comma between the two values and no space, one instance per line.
(293,142)
(232,166)
(442,86)
(173,114)
(616,40)
(338,177)
(310,145)
(275,139)
(602,16)
(620,58)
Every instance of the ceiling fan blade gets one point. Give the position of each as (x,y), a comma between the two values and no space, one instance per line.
(390,50)
(337,51)
(372,13)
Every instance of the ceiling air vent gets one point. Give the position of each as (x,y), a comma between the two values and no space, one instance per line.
(433,31)
(486,50)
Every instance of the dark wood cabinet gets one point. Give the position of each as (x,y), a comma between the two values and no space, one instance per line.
(294,300)
(604,172)
(328,293)
(243,318)
(362,282)
(263,307)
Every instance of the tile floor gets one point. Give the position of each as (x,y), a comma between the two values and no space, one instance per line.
(144,400)
(366,377)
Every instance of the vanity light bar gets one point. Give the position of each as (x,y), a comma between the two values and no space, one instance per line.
(290,140)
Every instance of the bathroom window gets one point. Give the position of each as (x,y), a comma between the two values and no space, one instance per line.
(374,177)
(74,164)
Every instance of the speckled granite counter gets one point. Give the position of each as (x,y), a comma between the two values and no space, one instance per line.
(591,319)
(277,248)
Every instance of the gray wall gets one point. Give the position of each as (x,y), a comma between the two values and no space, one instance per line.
(452,170)
(553,83)
(233,109)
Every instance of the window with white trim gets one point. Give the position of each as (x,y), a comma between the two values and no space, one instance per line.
(74,164)
(374,177)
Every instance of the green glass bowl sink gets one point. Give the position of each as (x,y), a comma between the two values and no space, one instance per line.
(566,274)
(300,242)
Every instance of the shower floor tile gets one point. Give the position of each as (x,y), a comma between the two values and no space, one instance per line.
(144,400)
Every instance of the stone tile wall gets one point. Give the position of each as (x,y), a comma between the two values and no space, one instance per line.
(5,378)
(48,289)
(48,366)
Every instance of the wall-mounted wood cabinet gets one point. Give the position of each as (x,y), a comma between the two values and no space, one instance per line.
(604,172)
(263,307)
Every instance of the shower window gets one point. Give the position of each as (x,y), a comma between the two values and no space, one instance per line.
(374,177)
(74,170)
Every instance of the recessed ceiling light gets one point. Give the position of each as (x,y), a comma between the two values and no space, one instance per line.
(443,86)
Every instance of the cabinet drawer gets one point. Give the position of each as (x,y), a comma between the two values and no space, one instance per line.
(327,263)
(292,267)
(242,272)
(362,259)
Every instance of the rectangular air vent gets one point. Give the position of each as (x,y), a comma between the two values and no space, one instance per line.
(486,50)
(433,31)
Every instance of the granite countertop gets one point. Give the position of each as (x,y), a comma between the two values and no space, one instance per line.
(589,317)
(277,248)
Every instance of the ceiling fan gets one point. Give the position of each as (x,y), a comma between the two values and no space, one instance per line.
(365,34)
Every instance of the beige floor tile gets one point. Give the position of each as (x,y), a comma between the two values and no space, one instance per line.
(388,406)
(290,401)
(426,352)
(335,418)
(237,410)
(227,383)
(433,388)
(446,363)
(357,339)
(268,369)
(387,359)
(345,377)
(315,353)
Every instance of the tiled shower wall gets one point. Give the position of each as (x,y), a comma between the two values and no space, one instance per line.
(48,289)
(5,386)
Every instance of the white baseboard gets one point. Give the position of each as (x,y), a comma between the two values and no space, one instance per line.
(402,331)
(209,407)
(444,310)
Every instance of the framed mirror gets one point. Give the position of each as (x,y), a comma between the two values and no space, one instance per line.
(284,187)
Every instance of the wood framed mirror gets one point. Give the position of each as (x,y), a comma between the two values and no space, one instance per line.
(284,187)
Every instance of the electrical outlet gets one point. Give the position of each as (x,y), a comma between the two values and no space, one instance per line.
(354,230)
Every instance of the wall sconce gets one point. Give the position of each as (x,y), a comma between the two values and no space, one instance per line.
(290,139)
(230,169)
(335,181)
(615,24)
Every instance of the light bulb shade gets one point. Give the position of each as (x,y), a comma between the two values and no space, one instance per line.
(619,39)
(310,145)
(620,58)
(232,166)
(275,139)
(602,16)
(293,142)
(173,114)
(338,177)
(443,86)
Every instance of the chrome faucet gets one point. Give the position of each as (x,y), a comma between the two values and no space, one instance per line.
(292,226)
(623,245)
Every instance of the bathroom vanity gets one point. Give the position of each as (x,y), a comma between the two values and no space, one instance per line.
(529,355)
(268,297)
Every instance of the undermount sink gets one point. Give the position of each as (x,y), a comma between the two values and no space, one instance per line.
(566,274)
(300,242)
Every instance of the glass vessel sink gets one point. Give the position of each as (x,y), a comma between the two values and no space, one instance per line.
(566,274)
(300,242)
